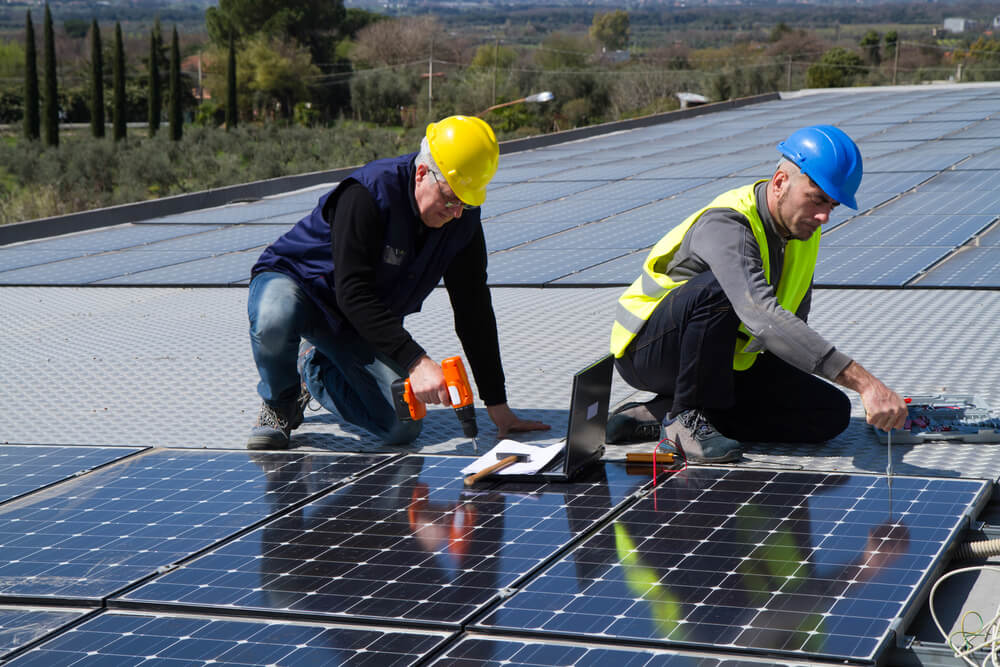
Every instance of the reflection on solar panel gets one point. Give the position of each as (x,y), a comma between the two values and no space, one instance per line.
(20,626)
(482,650)
(90,536)
(133,639)
(24,468)
(408,542)
(790,563)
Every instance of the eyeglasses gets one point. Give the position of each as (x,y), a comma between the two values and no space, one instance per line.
(451,203)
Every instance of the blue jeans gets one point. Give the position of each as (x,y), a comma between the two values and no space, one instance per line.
(342,372)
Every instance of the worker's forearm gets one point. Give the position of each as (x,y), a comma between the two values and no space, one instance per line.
(856,377)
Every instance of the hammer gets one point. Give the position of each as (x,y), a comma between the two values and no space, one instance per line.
(505,460)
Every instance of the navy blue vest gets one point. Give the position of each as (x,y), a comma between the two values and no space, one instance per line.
(405,274)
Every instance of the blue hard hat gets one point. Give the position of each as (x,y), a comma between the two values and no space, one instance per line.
(829,157)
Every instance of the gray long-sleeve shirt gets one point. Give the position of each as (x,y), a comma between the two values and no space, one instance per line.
(722,241)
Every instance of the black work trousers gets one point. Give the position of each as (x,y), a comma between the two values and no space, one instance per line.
(685,352)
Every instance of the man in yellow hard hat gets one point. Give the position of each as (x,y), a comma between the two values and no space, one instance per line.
(327,299)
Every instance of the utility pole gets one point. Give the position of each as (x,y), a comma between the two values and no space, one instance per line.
(496,56)
(789,86)
(430,82)
(895,62)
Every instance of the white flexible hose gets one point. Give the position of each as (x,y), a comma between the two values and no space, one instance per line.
(980,549)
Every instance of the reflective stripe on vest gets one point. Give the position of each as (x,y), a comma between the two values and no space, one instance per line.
(639,301)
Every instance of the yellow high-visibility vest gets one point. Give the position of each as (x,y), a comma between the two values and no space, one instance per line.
(640,299)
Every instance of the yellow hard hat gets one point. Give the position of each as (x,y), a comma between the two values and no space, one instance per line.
(466,151)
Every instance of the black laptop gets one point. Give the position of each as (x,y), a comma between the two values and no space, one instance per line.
(588,419)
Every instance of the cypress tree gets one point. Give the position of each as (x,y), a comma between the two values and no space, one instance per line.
(50,114)
(118,119)
(32,123)
(155,94)
(96,82)
(176,120)
(231,108)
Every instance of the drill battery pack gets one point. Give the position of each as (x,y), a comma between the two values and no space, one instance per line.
(946,417)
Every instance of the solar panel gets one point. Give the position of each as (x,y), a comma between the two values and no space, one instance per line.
(538,191)
(220,270)
(962,181)
(493,209)
(618,271)
(20,626)
(90,536)
(989,130)
(970,267)
(903,230)
(227,239)
(505,235)
(640,191)
(93,268)
(871,266)
(477,649)
(117,638)
(408,542)
(605,234)
(706,168)
(923,130)
(974,202)
(239,213)
(24,468)
(525,266)
(113,238)
(914,160)
(800,564)
(572,209)
(988,160)
(16,258)
(620,169)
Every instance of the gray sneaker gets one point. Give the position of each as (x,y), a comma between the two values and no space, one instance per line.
(698,440)
(275,424)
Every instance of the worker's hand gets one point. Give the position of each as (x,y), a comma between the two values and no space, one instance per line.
(427,382)
(883,407)
(508,422)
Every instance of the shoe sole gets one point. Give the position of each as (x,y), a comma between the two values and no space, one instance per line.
(260,443)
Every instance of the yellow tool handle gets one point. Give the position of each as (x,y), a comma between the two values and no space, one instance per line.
(502,463)
(644,457)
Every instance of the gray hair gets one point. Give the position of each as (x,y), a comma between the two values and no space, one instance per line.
(788,166)
(425,158)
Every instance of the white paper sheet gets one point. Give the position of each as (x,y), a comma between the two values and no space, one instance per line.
(538,458)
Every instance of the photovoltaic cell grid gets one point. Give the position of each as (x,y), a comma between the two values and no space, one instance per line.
(903,230)
(408,543)
(91,536)
(20,626)
(25,468)
(474,650)
(801,564)
(125,639)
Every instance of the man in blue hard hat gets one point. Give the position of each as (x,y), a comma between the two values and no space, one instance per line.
(715,325)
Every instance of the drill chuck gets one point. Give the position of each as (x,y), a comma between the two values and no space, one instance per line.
(467,416)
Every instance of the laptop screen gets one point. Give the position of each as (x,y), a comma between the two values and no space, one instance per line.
(588,415)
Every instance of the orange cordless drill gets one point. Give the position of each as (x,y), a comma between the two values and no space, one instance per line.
(409,407)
